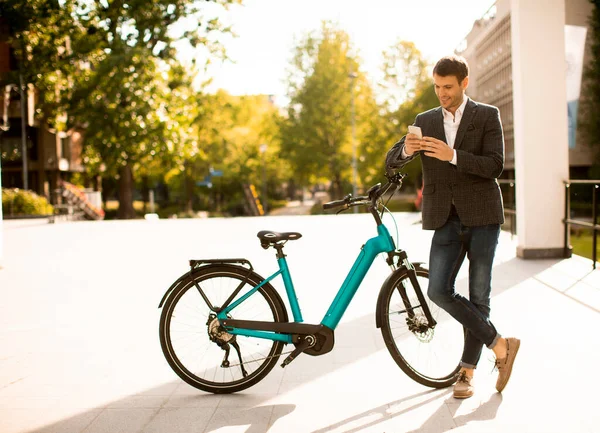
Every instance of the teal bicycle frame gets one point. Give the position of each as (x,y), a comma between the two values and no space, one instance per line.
(383,243)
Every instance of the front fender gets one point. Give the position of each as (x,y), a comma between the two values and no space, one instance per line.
(394,276)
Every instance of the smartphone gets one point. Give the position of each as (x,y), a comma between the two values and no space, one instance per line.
(415,130)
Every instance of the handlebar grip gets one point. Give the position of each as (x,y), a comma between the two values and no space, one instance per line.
(333,204)
(337,203)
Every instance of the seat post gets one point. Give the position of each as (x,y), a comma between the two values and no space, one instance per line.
(279,248)
(288,284)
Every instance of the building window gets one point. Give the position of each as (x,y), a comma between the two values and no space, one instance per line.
(11,149)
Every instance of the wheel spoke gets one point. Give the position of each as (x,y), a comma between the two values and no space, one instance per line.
(191,335)
(429,356)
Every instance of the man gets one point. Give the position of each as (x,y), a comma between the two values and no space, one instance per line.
(462,153)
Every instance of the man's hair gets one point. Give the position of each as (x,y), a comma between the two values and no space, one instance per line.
(452,65)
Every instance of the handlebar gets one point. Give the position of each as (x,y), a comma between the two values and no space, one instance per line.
(346,201)
(373,194)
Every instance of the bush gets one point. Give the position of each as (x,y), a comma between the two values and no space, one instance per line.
(17,202)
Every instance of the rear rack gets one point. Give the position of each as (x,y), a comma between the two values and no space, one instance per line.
(198,263)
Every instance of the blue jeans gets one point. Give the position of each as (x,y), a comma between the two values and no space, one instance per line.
(450,244)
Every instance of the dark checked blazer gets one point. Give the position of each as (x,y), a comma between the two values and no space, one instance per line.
(470,184)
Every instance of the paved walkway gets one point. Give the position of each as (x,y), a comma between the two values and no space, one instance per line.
(295,207)
(79,348)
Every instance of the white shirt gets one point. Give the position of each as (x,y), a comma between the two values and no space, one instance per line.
(451,124)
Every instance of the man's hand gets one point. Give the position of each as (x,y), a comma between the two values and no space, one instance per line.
(412,144)
(436,149)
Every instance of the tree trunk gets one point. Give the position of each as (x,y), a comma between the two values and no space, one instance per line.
(97,183)
(336,187)
(126,210)
(145,193)
(189,188)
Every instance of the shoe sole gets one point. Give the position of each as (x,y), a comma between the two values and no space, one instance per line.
(517,343)
(463,396)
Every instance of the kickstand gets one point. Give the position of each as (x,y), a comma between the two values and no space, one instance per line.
(225,362)
(236,346)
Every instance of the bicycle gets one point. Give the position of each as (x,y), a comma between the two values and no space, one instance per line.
(220,304)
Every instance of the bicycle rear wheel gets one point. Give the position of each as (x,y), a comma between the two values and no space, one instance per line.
(201,352)
(428,355)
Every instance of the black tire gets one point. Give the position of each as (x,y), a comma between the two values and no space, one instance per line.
(429,356)
(184,330)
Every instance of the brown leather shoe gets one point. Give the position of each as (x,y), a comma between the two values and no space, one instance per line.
(463,387)
(505,365)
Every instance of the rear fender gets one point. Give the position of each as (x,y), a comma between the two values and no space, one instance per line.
(188,277)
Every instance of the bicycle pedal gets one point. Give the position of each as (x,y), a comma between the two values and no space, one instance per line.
(307,342)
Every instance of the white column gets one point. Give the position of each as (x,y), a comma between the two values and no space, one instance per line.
(540,125)
(1,219)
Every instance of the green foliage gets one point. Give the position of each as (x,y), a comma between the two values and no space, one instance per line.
(582,243)
(325,82)
(40,33)
(17,202)
(230,133)
(410,86)
(590,95)
(317,133)
(109,69)
(405,74)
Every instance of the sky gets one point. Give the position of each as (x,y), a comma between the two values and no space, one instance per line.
(268,31)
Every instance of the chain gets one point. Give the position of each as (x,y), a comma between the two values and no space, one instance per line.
(261,359)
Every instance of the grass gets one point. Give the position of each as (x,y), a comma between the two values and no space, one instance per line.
(582,241)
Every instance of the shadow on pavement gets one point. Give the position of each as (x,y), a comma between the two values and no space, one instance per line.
(383,412)
(485,412)
(250,408)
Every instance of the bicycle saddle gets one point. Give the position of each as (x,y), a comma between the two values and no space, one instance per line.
(268,237)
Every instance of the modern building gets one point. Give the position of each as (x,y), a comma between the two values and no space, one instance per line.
(487,48)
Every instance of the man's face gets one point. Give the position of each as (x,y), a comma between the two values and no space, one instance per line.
(449,91)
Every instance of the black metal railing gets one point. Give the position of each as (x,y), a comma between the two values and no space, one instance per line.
(508,192)
(569,221)
(509,203)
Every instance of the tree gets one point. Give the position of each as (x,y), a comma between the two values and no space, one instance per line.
(229,131)
(405,73)
(590,101)
(316,136)
(114,68)
(41,33)
(407,91)
(141,46)
(254,123)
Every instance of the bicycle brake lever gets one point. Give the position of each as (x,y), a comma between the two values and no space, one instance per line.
(343,210)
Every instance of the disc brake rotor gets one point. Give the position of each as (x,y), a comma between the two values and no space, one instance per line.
(418,325)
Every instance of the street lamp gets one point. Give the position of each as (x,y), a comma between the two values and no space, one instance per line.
(263,150)
(353,76)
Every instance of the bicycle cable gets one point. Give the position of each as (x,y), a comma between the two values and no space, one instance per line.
(385,208)
(395,224)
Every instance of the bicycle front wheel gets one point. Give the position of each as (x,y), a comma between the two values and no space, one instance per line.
(199,350)
(428,355)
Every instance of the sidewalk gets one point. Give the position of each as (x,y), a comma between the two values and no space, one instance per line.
(295,207)
(79,349)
